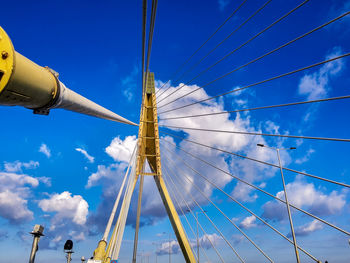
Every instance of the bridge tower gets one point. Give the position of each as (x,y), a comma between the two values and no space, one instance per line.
(148,149)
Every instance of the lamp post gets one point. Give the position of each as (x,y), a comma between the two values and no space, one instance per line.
(37,233)
(285,195)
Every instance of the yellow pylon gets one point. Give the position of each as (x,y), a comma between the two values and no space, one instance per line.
(148,144)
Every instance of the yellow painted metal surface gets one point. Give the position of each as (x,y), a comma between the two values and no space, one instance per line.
(24,83)
(100,251)
(149,149)
(6,58)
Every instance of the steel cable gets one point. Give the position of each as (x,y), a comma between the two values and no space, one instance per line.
(257,133)
(183,64)
(256,160)
(212,50)
(236,49)
(256,108)
(184,215)
(256,59)
(189,208)
(240,204)
(261,190)
(233,223)
(256,83)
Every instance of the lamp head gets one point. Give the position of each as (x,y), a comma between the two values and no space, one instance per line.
(68,245)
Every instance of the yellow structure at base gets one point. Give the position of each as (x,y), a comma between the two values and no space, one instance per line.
(100,251)
(148,144)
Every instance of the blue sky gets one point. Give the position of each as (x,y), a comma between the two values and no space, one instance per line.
(65,169)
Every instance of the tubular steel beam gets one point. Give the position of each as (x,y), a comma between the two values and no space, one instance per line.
(148,144)
(24,83)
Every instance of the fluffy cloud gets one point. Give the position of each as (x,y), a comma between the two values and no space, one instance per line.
(205,243)
(305,195)
(17,166)
(308,228)
(68,216)
(121,150)
(45,150)
(106,175)
(66,206)
(14,191)
(246,144)
(172,246)
(248,222)
(90,158)
(14,208)
(315,86)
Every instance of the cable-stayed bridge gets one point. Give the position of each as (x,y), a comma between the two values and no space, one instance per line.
(158,153)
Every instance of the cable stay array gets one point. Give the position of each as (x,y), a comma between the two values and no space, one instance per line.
(245,208)
(256,108)
(257,59)
(263,191)
(179,171)
(201,46)
(236,49)
(178,193)
(258,161)
(208,199)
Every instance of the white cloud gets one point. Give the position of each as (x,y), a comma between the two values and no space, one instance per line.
(109,173)
(17,166)
(74,208)
(14,192)
(90,158)
(121,150)
(205,243)
(11,181)
(45,180)
(305,195)
(315,86)
(77,236)
(246,144)
(172,246)
(14,208)
(308,228)
(306,157)
(248,222)
(45,150)
(68,219)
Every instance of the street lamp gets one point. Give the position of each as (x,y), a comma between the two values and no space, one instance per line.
(285,195)
(68,246)
(37,233)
